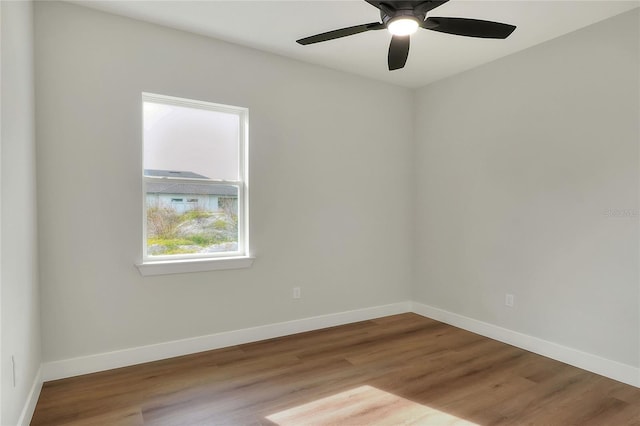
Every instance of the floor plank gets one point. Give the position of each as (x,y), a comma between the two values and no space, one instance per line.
(401,369)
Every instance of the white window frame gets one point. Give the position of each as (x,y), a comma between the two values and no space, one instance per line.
(198,262)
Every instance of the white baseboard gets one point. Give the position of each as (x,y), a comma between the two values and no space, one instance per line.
(32,400)
(105,361)
(605,367)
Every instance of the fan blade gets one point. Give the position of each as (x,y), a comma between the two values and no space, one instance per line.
(428,5)
(385,6)
(373,3)
(469,27)
(398,52)
(424,5)
(343,32)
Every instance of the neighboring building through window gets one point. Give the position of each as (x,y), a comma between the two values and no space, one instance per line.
(195,185)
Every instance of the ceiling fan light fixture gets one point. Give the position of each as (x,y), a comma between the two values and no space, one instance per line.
(402,18)
(403,25)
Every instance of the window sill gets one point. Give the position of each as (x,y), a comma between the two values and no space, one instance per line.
(183,266)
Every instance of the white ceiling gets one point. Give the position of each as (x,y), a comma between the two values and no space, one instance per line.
(273,26)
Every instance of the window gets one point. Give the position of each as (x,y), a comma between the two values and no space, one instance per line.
(195,184)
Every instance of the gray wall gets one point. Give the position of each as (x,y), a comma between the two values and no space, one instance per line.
(322,157)
(507,186)
(519,164)
(19,280)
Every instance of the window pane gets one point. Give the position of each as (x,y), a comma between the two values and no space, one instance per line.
(191,140)
(189,217)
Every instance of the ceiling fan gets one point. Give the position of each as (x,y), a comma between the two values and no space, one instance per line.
(403,18)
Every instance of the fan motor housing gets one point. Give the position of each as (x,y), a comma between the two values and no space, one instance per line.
(402,13)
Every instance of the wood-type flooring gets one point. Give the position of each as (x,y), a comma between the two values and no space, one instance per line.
(397,370)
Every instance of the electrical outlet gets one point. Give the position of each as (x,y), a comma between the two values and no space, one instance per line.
(509,300)
(296,293)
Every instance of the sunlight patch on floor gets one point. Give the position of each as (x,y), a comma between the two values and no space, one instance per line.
(364,405)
